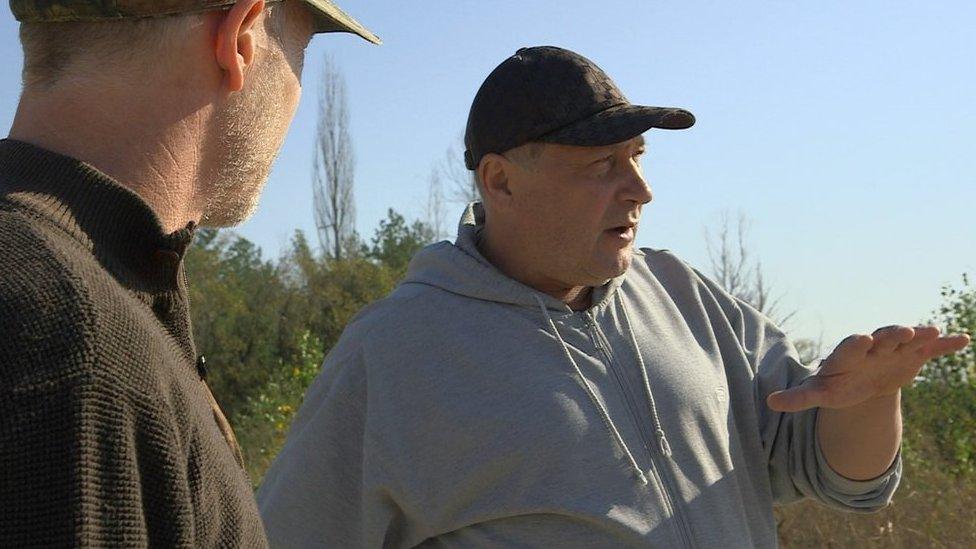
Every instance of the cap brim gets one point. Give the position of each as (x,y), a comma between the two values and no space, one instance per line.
(618,124)
(329,18)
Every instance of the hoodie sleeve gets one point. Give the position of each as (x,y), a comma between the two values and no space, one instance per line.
(797,468)
(326,488)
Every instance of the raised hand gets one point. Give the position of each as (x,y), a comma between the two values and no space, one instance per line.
(863,367)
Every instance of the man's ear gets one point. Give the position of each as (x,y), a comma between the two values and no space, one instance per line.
(235,41)
(494,171)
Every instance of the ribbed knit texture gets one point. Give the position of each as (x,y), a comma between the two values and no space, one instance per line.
(108,436)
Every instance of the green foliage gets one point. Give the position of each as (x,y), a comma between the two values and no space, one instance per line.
(326,293)
(263,424)
(396,242)
(940,427)
(236,302)
(957,315)
(265,326)
(940,410)
(934,504)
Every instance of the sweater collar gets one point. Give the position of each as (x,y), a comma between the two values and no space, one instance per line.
(113,222)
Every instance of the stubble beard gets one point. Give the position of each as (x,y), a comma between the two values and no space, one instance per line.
(249,135)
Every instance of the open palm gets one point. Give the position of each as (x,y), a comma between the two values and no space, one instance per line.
(863,367)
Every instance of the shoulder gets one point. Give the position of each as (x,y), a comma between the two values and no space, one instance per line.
(664,262)
(45,308)
(408,305)
(691,289)
(686,285)
(670,270)
(412,329)
(62,346)
(61,312)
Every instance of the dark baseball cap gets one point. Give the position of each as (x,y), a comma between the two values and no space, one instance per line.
(328,16)
(552,95)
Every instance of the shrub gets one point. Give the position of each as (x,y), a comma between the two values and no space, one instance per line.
(262,425)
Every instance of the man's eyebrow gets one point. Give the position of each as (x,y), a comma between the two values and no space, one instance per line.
(638,141)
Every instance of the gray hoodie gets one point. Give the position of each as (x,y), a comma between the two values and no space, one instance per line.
(469,410)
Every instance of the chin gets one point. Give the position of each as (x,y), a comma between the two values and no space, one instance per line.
(229,215)
(620,269)
(623,260)
(611,268)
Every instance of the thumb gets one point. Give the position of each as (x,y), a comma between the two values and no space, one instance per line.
(796,399)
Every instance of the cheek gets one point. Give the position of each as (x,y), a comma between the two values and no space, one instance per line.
(581,222)
(291,89)
(294,96)
(594,207)
(565,215)
(296,62)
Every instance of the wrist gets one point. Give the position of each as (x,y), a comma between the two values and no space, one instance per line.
(860,442)
(883,399)
(877,406)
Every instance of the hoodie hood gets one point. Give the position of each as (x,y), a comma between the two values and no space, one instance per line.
(460,268)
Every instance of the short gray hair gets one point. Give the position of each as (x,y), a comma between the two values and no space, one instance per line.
(51,49)
(524,155)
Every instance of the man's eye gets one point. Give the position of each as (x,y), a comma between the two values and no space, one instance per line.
(639,153)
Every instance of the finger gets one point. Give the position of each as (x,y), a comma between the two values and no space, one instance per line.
(923,336)
(853,348)
(803,397)
(946,345)
(887,339)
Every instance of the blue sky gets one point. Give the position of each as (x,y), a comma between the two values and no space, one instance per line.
(845,131)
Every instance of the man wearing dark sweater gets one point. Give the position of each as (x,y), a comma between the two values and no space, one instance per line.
(132,130)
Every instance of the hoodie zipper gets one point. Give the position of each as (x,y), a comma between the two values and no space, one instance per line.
(681,528)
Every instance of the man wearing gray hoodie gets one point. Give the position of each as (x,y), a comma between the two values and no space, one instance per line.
(541,383)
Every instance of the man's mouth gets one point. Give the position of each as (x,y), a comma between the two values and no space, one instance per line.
(623,232)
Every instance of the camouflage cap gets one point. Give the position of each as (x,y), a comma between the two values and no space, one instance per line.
(328,16)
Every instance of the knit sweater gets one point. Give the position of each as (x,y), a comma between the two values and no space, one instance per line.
(109,435)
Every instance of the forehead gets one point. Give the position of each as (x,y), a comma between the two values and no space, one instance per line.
(577,151)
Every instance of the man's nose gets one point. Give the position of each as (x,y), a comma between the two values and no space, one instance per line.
(636,188)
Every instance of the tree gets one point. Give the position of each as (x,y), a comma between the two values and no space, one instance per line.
(462,186)
(434,214)
(333,171)
(733,268)
(396,242)
(956,315)
(236,302)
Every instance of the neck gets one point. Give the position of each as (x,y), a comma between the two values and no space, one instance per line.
(146,144)
(518,266)
(577,299)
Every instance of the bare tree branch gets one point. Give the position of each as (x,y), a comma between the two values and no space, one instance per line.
(733,268)
(333,171)
(435,215)
(809,350)
(460,181)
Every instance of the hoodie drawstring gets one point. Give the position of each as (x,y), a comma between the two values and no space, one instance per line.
(590,393)
(604,414)
(658,430)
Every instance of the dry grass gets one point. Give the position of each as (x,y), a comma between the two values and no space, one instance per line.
(932,508)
